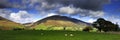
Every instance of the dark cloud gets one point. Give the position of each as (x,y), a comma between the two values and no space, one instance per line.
(14,4)
(84,4)
(82,7)
(4,4)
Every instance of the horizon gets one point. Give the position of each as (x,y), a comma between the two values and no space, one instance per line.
(25,11)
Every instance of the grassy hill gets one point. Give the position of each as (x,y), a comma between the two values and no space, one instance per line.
(6,24)
(57,22)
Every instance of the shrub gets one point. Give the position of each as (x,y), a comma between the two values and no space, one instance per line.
(18,29)
(87,29)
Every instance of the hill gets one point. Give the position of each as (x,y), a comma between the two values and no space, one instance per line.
(59,22)
(6,24)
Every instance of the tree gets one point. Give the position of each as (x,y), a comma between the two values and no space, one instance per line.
(99,24)
(117,27)
(103,25)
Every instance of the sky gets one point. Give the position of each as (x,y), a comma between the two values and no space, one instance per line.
(25,11)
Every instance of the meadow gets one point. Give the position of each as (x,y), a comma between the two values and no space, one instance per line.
(56,35)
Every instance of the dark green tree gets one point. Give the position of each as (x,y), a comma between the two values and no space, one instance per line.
(103,25)
(117,27)
(99,24)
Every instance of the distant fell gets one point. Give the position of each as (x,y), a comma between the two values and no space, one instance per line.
(60,21)
(6,24)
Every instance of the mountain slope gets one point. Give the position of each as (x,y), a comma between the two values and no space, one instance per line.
(57,21)
(6,24)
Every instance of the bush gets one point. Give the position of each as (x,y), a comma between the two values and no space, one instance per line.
(18,29)
(87,29)
(0,29)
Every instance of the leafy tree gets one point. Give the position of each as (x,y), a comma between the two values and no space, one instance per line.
(104,25)
(99,24)
(117,27)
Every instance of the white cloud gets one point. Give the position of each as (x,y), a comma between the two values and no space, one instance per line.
(91,13)
(96,13)
(46,5)
(68,10)
(21,17)
(114,19)
(91,20)
(51,14)
(5,13)
(82,12)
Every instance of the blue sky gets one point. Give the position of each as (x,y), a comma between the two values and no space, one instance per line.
(113,8)
(24,11)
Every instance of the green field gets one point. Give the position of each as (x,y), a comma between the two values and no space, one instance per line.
(56,35)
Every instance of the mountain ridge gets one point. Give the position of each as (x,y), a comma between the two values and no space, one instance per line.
(58,17)
(57,22)
(6,24)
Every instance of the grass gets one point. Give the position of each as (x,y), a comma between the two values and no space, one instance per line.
(57,27)
(56,35)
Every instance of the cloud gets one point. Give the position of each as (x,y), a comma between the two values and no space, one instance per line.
(91,8)
(5,13)
(82,7)
(21,17)
(114,19)
(51,14)
(68,10)
(3,4)
(84,4)
(96,13)
(81,12)
(91,20)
